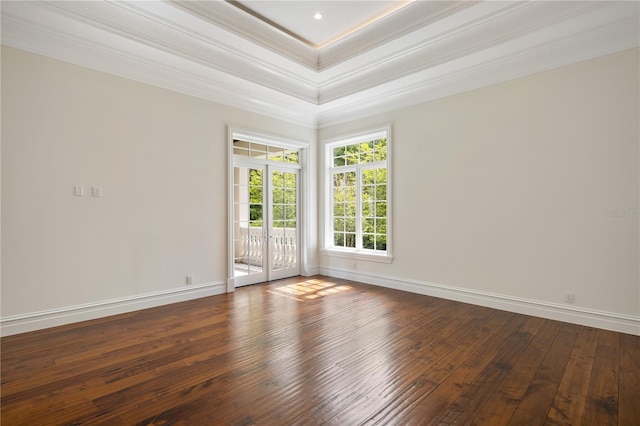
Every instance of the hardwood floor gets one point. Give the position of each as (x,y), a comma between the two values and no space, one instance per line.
(308,351)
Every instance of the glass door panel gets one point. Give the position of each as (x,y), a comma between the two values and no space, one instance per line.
(284,224)
(265,223)
(249,225)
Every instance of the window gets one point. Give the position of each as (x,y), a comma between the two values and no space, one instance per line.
(357,214)
(265,152)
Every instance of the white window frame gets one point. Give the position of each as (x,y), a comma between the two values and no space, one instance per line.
(328,249)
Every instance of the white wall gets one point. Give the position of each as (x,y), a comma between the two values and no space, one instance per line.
(501,194)
(161,160)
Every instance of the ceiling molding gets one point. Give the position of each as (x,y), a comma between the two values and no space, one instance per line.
(217,52)
(402,22)
(140,21)
(125,58)
(271,23)
(481,70)
(228,16)
(495,27)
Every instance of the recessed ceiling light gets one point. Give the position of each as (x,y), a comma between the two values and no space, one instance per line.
(317,15)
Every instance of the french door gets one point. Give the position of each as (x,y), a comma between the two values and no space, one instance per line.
(265,222)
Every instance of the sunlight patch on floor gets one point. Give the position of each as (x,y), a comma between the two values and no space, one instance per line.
(310,289)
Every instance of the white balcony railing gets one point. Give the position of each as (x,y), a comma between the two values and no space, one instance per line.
(250,247)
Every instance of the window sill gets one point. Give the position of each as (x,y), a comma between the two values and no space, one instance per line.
(360,255)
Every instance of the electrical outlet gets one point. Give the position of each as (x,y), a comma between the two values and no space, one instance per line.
(189,279)
(569,297)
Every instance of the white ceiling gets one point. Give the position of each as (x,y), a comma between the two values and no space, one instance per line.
(339,18)
(423,51)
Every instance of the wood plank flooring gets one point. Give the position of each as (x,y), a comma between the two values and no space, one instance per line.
(312,351)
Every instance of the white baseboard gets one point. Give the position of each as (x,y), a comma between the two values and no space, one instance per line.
(52,318)
(583,316)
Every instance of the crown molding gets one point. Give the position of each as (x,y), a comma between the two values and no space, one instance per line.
(400,23)
(478,30)
(214,51)
(146,23)
(481,70)
(125,58)
(237,21)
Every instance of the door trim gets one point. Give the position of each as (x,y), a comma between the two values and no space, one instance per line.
(303,193)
